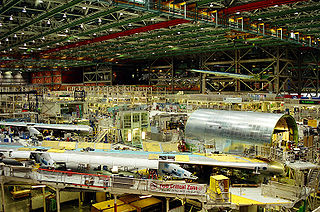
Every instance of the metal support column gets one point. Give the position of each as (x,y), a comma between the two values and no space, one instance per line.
(203,83)
(172,76)
(167,204)
(237,68)
(80,199)
(58,199)
(44,199)
(277,72)
(115,203)
(2,197)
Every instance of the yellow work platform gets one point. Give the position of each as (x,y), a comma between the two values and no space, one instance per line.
(252,196)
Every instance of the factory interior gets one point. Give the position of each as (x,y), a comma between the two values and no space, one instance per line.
(160,105)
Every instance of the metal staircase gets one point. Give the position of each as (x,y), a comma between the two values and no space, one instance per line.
(101,135)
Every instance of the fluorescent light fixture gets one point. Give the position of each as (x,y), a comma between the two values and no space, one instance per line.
(38,186)
(24,10)
(146,196)
(62,35)
(23,47)
(143,135)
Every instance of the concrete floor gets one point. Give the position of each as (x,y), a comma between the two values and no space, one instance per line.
(23,204)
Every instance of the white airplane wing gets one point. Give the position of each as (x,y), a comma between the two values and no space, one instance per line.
(66,127)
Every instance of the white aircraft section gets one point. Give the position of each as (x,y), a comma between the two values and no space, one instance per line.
(67,127)
(109,161)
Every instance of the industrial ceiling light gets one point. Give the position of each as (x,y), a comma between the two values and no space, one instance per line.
(296,13)
(110,30)
(33,41)
(22,33)
(237,13)
(25,44)
(64,15)
(11,18)
(15,36)
(7,39)
(276,5)
(24,9)
(49,22)
(0,24)
(84,7)
(39,48)
(81,26)
(130,24)
(259,19)
(120,13)
(10,49)
(67,31)
(99,20)
(43,38)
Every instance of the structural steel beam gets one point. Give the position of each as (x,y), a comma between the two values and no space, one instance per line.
(119,34)
(66,26)
(257,5)
(42,16)
(9,5)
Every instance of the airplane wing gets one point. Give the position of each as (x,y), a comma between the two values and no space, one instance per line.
(152,160)
(66,127)
(225,74)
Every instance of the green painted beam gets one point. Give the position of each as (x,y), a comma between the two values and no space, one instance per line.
(153,35)
(121,23)
(178,38)
(210,48)
(297,20)
(8,6)
(73,23)
(41,17)
(286,12)
(317,25)
(135,50)
(102,28)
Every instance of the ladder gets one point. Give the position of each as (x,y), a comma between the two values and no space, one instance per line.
(101,135)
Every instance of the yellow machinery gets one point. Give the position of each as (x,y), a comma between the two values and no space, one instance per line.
(219,187)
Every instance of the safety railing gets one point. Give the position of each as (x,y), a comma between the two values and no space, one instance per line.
(181,11)
(114,182)
(224,197)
